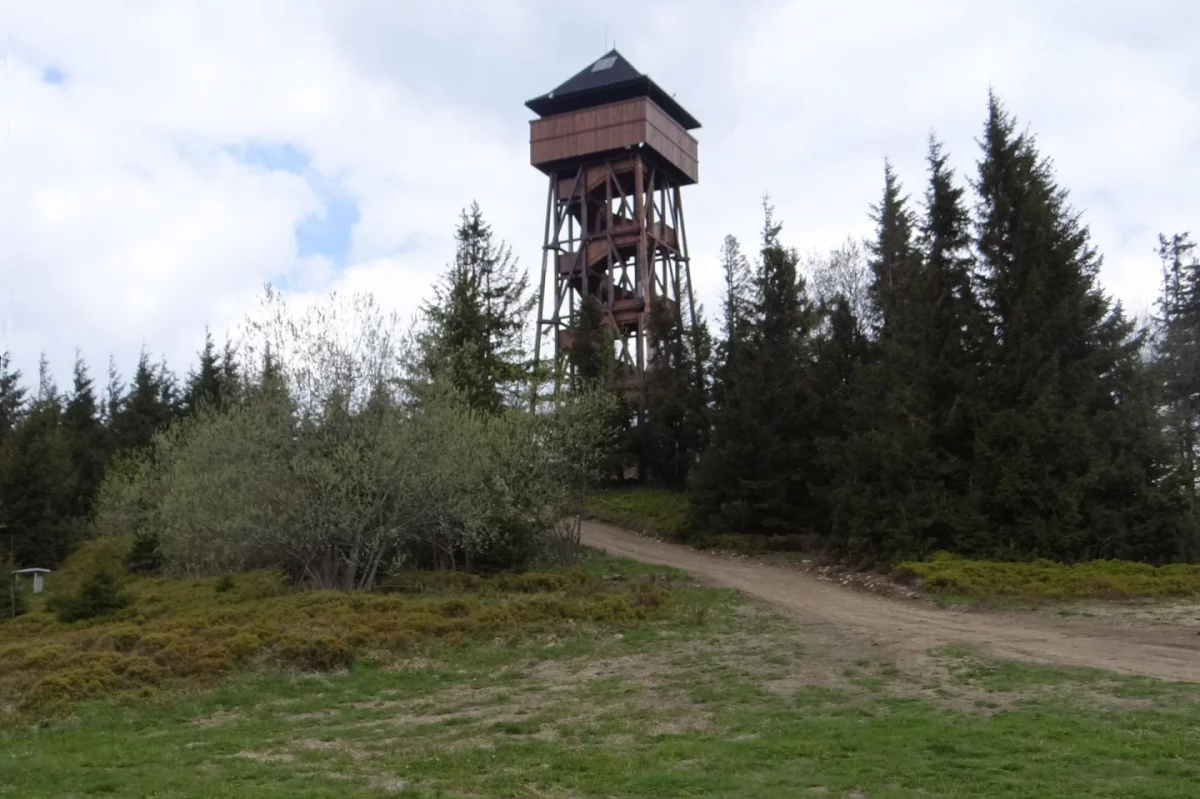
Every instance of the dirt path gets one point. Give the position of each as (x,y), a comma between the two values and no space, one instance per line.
(912,628)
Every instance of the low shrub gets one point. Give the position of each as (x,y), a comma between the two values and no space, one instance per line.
(99,595)
(186,632)
(1043,579)
(100,554)
(316,653)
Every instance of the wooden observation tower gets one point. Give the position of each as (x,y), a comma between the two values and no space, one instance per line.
(617,151)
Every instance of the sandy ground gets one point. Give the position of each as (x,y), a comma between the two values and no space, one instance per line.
(910,628)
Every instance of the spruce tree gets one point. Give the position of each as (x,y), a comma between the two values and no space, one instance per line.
(714,496)
(37,484)
(760,472)
(1068,461)
(842,350)
(894,261)
(476,321)
(87,439)
(231,375)
(675,426)
(955,331)
(12,396)
(1177,352)
(114,392)
(269,392)
(591,356)
(883,473)
(783,355)
(950,351)
(147,407)
(205,384)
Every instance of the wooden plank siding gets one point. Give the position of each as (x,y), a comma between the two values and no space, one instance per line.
(615,126)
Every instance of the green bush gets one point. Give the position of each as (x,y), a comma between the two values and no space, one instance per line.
(1043,579)
(317,653)
(99,596)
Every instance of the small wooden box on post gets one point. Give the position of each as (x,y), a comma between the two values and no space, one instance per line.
(616,149)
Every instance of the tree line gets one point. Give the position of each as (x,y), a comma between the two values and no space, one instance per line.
(960,381)
(55,446)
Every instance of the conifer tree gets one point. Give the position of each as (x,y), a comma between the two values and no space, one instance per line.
(675,427)
(114,392)
(147,407)
(477,319)
(591,355)
(214,382)
(950,351)
(883,486)
(902,477)
(12,396)
(842,350)
(87,439)
(894,261)
(37,483)
(204,384)
(269,390)
(1068,462)
(759,473)
(956,334)
(231,375)
(1177,352)
(713,489)
(783,339)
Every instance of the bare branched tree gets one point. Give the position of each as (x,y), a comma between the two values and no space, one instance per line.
(326,470)
(843,271)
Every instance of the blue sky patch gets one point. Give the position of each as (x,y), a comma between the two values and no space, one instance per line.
(283,157)
(326,232)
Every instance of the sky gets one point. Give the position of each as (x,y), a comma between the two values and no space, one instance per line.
(160,162)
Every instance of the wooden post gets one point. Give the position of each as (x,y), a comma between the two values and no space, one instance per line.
(640,273)
(538,322)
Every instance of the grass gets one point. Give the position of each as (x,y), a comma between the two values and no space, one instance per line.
(953,577)
(707,697)
(181,633)
(948,579)
(650,510)
(664,513)
(610,679)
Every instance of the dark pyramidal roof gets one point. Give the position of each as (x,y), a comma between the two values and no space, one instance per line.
(609,79)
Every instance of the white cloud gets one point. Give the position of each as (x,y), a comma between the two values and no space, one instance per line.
(126,220)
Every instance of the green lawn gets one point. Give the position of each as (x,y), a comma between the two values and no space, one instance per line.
(706,697)
(648,510)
